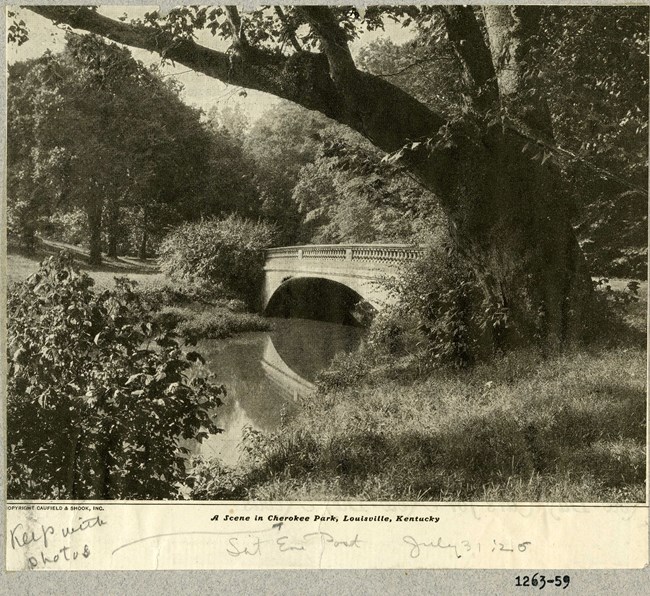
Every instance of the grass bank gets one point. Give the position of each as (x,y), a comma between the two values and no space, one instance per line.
(216,321)
(567,429)
(525,428)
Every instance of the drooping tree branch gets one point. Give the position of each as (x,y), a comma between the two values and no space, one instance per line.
(467,40)
(305,81)
(385,114)
(382,112)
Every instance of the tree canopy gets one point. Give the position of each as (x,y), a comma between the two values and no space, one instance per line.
(92,129)
(493,161)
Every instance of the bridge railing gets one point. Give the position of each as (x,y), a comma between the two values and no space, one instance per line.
(378,253)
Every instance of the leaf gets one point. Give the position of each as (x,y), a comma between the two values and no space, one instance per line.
(20,356)
(195,356)
(133,378)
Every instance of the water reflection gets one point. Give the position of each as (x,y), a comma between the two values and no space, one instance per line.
(264,373)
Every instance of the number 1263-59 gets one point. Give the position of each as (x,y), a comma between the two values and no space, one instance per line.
(541,581)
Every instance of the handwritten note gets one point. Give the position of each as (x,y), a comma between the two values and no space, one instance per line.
(252,545)
(461,547)
(45,545)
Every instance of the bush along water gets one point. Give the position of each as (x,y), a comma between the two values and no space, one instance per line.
(438,315)
(97,395)
(227,254)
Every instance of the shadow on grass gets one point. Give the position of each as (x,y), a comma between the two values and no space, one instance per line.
(588,447)
(47,248)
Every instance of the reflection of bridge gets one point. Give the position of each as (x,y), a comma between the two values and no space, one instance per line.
(287,381)
(359,267)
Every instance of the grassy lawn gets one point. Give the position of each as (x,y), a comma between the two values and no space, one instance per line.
(190,317)
(21,265)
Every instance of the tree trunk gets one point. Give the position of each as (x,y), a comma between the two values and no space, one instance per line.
(142,252)
(511,223)
(113,230)
(511,30)
(94,213)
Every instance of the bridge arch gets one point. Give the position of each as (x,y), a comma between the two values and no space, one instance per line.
(321,299)
(358,267)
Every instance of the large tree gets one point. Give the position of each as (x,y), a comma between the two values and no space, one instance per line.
(93,129)
(509,218)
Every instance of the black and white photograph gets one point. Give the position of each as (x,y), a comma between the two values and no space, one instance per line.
(325,253)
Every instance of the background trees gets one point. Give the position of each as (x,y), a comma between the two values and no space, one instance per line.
(348,194)
(93,130)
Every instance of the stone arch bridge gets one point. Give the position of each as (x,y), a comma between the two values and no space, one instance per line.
(358,267)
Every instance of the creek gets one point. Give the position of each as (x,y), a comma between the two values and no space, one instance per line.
(265,373)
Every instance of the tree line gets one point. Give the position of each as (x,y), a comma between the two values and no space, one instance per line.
(104,153)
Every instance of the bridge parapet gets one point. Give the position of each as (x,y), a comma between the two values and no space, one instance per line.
(379,253)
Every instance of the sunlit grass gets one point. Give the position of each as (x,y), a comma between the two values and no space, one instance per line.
(21,265)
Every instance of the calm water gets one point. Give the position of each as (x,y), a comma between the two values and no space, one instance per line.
(265,372)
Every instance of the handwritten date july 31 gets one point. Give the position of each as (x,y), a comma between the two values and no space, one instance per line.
(417,547)
(252,545)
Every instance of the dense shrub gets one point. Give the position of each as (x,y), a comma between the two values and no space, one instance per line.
(438,313)
(163,293)
(216,323)
(227,253)
(441,315)
(97,395)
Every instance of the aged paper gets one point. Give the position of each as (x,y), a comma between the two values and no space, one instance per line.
(99,534)
(335,536)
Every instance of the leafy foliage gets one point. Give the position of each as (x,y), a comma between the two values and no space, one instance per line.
(425,67)
(92,129)
(530,87)
(347,194)
(435,314)
(600,115)
(227,254)
(279,145)
(98,395)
